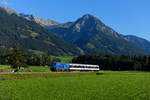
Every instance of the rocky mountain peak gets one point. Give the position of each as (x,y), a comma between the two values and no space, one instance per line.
(85,23)
(45,23)
(88,16)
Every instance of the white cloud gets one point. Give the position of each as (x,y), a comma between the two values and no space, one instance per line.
(4,2)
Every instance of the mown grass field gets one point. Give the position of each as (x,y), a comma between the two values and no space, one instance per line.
(76,86)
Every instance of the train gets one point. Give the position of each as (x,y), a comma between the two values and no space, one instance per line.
(60,66)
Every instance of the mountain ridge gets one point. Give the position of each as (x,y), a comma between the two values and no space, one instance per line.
(93,36)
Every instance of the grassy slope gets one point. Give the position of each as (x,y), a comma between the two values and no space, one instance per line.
(65,59)
(74,86)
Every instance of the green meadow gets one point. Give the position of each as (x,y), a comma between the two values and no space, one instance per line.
(5,67)
(106,85)
(29,68)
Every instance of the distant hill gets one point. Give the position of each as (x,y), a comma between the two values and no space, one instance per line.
(94,37)
(32,36)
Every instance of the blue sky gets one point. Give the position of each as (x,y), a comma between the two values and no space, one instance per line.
(124,16)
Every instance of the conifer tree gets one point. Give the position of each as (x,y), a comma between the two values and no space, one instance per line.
(17,58)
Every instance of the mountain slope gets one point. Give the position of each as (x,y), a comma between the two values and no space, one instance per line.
(93,36)
(31,36)
(143,43)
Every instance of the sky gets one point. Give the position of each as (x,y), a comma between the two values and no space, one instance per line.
(124,16)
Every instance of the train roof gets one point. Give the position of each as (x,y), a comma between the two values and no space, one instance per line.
(61,63)
(89,65)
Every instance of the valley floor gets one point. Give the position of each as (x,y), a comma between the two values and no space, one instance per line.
(107,85)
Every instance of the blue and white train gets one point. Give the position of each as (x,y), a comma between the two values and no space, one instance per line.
(59,66)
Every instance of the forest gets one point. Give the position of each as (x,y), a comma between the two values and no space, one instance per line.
(116,63)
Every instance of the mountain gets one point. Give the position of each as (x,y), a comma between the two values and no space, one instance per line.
(143,43)
(42,22)
(45,23)
(94,37)
(8,10)
(32,36)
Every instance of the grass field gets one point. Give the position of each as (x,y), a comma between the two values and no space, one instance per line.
(31,68)
(38,68)
(76,86)
(5,67)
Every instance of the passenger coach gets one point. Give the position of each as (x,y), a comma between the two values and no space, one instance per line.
(59,66)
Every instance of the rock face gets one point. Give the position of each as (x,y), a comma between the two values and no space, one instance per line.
(94,37)
(40,21)
(32,36)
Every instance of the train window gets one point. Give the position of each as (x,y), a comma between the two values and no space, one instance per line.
(81,66)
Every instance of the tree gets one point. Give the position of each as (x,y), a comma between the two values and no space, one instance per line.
(17,58)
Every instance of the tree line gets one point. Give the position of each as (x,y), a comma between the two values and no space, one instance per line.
(116,63)
(17,58)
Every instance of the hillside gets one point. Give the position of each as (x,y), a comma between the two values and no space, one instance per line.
(143,43)
(94,37)
(31,36)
